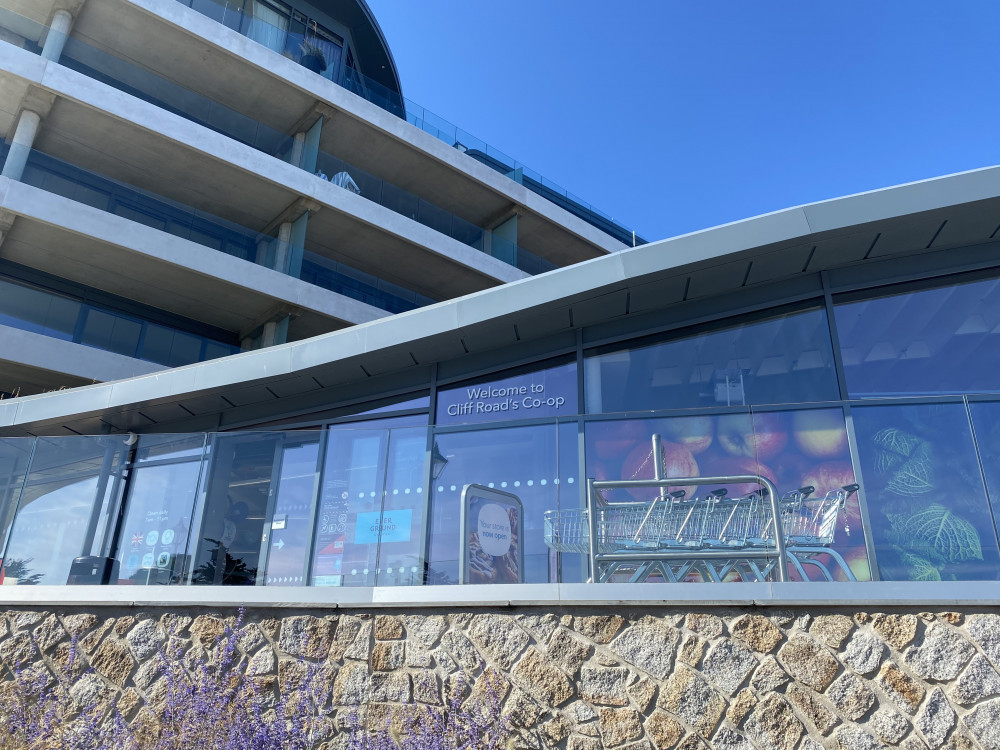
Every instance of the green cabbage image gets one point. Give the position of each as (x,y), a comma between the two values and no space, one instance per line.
(917,568)
(937,532)
(908,458)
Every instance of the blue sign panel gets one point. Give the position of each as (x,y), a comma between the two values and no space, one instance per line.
(391,526)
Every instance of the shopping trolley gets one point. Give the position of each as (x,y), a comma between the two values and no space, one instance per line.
(676,535)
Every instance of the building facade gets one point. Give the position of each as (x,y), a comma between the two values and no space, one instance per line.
(186,180)
(439,351)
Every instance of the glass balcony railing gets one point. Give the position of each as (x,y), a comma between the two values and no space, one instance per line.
(294,46)
(32,308)
(95,190)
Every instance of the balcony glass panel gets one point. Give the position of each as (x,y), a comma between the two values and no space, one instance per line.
(111,333)
(38,311)
(934,341)
(929,515)
(781,359)
(66,510)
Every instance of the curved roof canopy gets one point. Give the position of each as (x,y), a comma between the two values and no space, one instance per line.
(372,53)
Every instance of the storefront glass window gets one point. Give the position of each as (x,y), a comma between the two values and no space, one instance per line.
(242,482)
(791,449)
(986,425)
(535,465)
(930,519)
(153,545)
(69,499)
(942,341)
(777,360)
(14,455)
(370,526)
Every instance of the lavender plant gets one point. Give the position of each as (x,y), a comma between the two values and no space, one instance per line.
(39,709)
(204,699)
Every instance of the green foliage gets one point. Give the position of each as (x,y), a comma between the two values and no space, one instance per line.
(910,460)
(917,568)
(944,536)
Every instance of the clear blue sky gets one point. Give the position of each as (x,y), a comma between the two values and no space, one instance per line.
(676,116)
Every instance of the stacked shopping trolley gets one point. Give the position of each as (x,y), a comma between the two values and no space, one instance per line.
(713,536)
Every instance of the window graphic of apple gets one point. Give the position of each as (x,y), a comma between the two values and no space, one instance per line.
(614,439)
(694,433)
(820,433)
(832,475)
(677,462)
(762,437)
(717,466)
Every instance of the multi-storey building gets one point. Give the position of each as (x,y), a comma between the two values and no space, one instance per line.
(188,179)
(183,181)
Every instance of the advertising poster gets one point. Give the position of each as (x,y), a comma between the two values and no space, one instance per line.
(492,550)
(792,449)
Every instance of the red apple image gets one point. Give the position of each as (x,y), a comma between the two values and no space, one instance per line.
(719,466)
(820,433)
(614,439)
(694,433)
(677,462)
(829,476)
(602,471)
(763,437)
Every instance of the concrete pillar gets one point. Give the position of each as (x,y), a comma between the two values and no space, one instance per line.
(503,241)
(24,138)
(298,142)
(267,336)
(58,34)
(282,247)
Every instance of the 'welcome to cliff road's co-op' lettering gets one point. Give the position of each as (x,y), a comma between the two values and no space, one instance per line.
(486,399)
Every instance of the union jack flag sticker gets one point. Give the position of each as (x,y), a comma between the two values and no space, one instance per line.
(137,541)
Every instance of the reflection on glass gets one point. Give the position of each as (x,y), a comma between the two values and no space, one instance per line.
(524,461)
(528,393)
(14,456)
(370,526)
(934,341)
(161,497)
(929,515)
(237,489)
(288,546)
(986,423)
(69,498)
(779,360)
(791,449)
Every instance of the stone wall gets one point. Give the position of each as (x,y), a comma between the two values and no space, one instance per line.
(584,679)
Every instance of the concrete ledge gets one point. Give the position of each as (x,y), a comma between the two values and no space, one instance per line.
(870,594)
